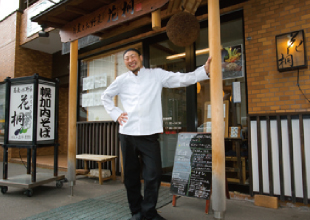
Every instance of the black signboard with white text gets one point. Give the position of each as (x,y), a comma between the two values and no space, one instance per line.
(192,170)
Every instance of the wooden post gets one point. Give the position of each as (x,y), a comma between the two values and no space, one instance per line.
(72,113)
(217,112)
(115,75)
(156,20)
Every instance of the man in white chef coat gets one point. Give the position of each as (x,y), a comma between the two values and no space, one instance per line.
(139,90)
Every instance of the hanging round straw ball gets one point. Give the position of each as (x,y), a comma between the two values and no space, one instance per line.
(183,29)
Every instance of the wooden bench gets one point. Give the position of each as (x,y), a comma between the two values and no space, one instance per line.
(99,159)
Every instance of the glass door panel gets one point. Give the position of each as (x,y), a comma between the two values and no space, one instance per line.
(173,102)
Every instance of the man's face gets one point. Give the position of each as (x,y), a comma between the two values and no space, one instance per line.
(133,61)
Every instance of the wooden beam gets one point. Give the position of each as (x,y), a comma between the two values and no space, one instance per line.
(156,20)
(98,34)
(106,1)
(76,2)
(174,5)
(51,24)
(123,42)
(144,20)
(57,20)
(126,27)
(191,6)
(76,10)
(170,5)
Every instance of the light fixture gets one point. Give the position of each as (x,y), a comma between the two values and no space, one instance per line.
(182,55)
(198,87)
(291,52)
(43,33)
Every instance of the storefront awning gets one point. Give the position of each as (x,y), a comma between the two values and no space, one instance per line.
(79,18)
(68,10)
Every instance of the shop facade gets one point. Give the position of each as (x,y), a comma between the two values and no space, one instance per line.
(267,148)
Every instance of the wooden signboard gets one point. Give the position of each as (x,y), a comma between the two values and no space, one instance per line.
(192,170)
(116,13)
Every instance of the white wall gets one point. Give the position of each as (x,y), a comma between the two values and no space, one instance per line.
(35,9)
(7,7)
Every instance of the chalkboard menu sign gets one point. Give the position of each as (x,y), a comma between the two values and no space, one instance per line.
(192,170)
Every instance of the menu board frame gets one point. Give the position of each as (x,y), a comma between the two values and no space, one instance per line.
(192,170)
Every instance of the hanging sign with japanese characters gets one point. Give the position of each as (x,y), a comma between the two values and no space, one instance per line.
(46,112)
(116,13)
(291,53)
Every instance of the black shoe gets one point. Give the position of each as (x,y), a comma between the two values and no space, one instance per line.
(158,217)
(136,216)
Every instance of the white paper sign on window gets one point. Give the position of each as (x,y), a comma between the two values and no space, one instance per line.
(101,81)
(209,110)
(236,92)
(97,99)
(21,113)
(46,112)
(87,100)
(88,83)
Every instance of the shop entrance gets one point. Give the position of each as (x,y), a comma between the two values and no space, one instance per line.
(173,102)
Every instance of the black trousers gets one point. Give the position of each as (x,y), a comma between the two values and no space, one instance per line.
(148,148)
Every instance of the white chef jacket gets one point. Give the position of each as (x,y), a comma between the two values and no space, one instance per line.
(141,97)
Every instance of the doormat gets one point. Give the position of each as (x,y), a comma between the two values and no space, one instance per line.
(110,206)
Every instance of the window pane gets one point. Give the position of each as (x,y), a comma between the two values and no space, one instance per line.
(173,100)
(233,71)
(96,75)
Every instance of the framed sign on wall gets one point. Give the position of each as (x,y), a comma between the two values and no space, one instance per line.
(291,52)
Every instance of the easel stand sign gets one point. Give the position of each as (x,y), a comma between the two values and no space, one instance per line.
(31,122)
(192,170)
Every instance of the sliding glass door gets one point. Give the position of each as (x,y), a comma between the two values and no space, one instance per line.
(173,101)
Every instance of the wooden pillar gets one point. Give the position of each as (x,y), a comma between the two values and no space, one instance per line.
(217,111)
(72,113)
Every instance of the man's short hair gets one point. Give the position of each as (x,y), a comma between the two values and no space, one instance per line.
(132,49)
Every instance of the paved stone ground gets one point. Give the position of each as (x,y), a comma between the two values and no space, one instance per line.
(110,206)
(89,196)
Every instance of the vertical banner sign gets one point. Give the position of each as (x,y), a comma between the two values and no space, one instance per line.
(21,113)
(46,112)
(192,170)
